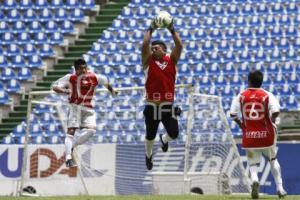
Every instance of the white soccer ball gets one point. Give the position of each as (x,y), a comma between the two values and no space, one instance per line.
(163,19)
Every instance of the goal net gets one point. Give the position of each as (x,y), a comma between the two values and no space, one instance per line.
(204,157)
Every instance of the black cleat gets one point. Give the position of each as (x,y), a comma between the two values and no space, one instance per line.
(281,194)
(164,146)
(149,162)
(70,163)
(255,190)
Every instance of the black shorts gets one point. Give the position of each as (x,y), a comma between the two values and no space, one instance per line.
(154,114)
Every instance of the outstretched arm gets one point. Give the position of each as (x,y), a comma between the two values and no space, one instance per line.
(146,52)
(176,51)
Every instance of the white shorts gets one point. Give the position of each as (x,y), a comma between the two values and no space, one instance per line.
(254,155)
(80,116)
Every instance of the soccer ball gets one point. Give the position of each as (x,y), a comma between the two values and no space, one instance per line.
(163,19)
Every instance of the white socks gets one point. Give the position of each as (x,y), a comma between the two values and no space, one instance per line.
(68,146)
(253,173)
(85,135)
(148,146)
(276,172)
(71,142)
(166,138)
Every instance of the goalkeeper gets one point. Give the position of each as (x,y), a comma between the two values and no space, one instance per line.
(80,86)
(160,72)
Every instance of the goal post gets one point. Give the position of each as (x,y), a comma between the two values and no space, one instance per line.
(204,156)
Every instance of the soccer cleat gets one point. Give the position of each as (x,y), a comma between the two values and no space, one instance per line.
(70,163)
(281,194)
(164,146)
(149,162)
(255,190)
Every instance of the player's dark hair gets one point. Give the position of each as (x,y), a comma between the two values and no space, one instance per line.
(79,62)
(159,42)
(255,78)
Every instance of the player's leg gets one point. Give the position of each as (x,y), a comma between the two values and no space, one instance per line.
(254,157)
(88,125)
(151,130)
(72,124)
(271,154)
(170,123)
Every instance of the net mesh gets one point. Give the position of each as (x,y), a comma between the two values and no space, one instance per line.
(113,161)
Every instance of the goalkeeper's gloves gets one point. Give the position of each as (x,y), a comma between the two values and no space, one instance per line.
(152,26)
(171,27)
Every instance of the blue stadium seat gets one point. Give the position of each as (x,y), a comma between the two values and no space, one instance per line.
(276,32)
(261,32)
(260,56)
(291,31)
(292,8)
(221,81)
(76,15)
(276,55)
(45,15)
(29,15)
(134,59)
(209,22)
(24,74)
(12,50)
(107,36)
(240,21)
(225,22)
(208,46)
(285,90)
(56,4)
(18,61)
(35,27)
(247,9)
(61,15)
(3,25)
(41,4)
(285,20)
(262,9)
(224,45)
(13,86)
(29,50)
(7,38)
(218,10)
(87,4)
(200,34)
(291,55)
(3,97)
(188,11)
(35,62)
(122,36)
(230,56)
(192,46)
(50,26)
(216,34)
(245,56)
(8,140)
(233,10)
(255,21)
(19,129)
(270,20)
(72,4)
(246,33)
(283,44)
(40,38)
(214,69)
(9,4)
(55,139)
(18,27)
(3,61)
(13,15)
(45,50)
(277,8)
(118,59)
(239,45)
(199,70)
(23,38)
(214,57)
(231,33)
(7,74)
(229,69)
(101,60)
(203,11)
(56,38)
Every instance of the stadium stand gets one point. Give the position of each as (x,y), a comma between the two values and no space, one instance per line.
(223,41)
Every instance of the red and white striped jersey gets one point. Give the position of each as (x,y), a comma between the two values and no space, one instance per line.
(82,87)
(256,107)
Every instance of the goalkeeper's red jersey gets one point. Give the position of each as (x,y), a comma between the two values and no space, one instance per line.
(160,79)
(256,108)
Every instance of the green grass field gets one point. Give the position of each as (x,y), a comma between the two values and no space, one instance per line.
(170,197)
